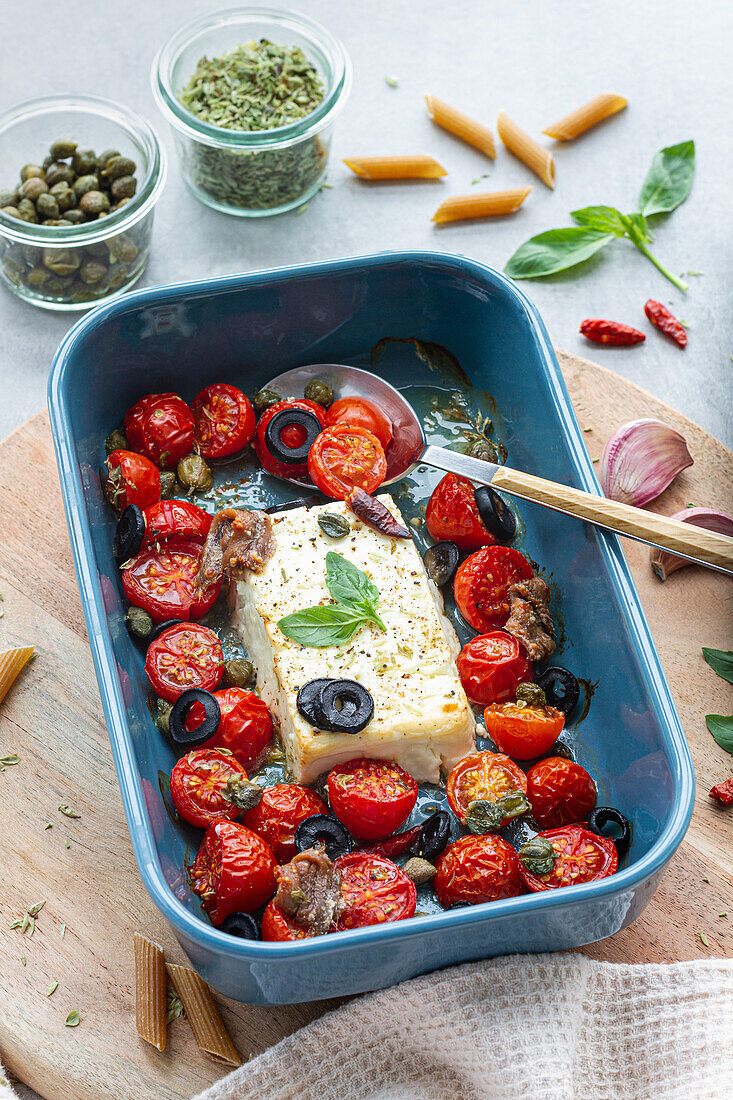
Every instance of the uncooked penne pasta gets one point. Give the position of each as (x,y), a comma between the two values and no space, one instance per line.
(527,149)
(12,663)
(150,992)
(590,114)
(489,204)
(203,1015)
(396,168)
(455,122)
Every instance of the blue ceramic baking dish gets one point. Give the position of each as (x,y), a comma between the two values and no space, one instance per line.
(245,329)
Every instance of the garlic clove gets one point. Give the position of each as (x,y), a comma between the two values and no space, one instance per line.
(663,563)
(640,460)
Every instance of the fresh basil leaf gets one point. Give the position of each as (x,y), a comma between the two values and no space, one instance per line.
(351,586)
(721,727)
(323,625)
(637,223)
(555,250)
(720,661)
(607,218)
(669,179)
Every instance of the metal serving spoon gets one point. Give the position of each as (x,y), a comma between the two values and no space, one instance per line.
(409,448)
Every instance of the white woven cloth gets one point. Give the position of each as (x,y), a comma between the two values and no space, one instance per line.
(545,1027)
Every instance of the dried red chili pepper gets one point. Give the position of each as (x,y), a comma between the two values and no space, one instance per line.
(723,792)
(375,514)
(395,845)
(666,322)
(610,332)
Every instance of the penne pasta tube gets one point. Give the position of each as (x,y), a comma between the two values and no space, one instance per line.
(455,122)
(12,663)
(538,159)
(396,168)
(490,204)
(150,992)
(590,114)
(203,1015)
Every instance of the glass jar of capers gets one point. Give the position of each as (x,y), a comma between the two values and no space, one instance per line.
(76,219)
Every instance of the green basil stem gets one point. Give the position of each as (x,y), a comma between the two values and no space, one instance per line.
(636,238)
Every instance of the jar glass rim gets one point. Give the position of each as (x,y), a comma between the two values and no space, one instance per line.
(138,130)
(180,117)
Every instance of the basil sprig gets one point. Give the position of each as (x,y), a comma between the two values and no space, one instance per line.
(356,599)
(667,184)
(720,725)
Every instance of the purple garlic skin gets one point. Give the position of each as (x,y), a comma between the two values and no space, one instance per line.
(640,460)
(663,562)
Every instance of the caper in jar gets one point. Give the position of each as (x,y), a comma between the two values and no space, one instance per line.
(118,166)
(37,276)
(28,171)
(167,482)
(84,162)
(47,207)
(64,195)
(58,172)
(238,672)
(123,249)
(62,148)
(138,622)
(92,271)
(33,188)
(85,183)
(62,261)
(73,217)
(94,203)
(123,188)
(320,392)
(12,212)
(115,441)
(106,156)
(27,210)
(263,399)
(116,277)
(483,449)
(8,198)
(194,474)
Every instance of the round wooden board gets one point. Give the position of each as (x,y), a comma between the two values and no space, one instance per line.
(52,719)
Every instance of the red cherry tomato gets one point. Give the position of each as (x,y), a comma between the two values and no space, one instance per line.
(224,420)
(581,857)
(234,871)
(279,813)
(160,426)
(523,732)
(360,413)
(373,890)
(477,868)
(245,727)
(163,582)
(279,927)
(561,792)
(291,437)
(343,458)
(131,479)
(491,667)
(482,776)
(175,520)
(452,514)
(185,656)
(371,798)
(482,582)
(197,782)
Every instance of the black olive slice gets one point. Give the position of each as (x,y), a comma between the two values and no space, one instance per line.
(190,739)
(344,706)
(441,562)
(337,838)
(603,816)
(433,836)
(158,628)
(242,925)
(495,513)
(308,698)
(560,687)
(302,418)
(129,534)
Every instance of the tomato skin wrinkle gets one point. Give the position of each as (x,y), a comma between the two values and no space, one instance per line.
(373,890)
(160,426)
(478,868)
(343,458)
(196,783)
(131,479)
(523,732)
(581,856)
(234,871)
(278,814)
(185,656)
(492,666)
(560,791)
(372,798)
(482,582)
(163,582)
(360,413)
(452,515)
(224,420)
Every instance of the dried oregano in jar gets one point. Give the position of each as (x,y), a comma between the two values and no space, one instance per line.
(258,86)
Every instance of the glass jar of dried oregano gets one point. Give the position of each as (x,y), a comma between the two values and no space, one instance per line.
(252,95)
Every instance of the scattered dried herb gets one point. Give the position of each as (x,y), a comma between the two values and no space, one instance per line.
(23,960)
(63,930)
(704,939)
(72,1020)
(173,1006)
(48,825)
(67,844)
(392,81)
(52,989)
(67,811)
(725,911)
(8,761)
(36,909)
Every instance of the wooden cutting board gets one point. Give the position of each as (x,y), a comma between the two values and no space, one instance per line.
(84,868)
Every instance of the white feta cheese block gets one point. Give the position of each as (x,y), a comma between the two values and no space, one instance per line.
(422,719)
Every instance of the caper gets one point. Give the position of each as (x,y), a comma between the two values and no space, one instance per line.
(115,441)
(58,284)
(37,276)
(94,203)
(33,188)
(55,221)
(84,162)
(29,171)
(162,716)
(138,622)
(194,474)
(8,198)
(64,195)
(419,870)
(334,525)
(117,277)
(33,256)
(62,261)
(13,266)
(320,392)
(47,206)
(483,449)
(263,399)
(120,204)
(122,248)
(118,166)
(84,184)
(530,694)
(167,483)
(92,271)
(62,148)
(74,217)
(58,172)
(12,212)
(106,156)
(47,162)
(27,211)
(123,187)
(239,672)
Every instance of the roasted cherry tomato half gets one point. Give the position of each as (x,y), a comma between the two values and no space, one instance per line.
(477,868)
(160,426)
(184,656)
(224,420)
(197,782)
(491,667)
(291,437)
(360,413)
(163,582)
(279,927)
(343,458)
(581,856)
(482,776)
(175,521)
(561,792)
(245,727)
(279,813)
(482,584)
(234,871)
(523,732)
(452,515)
(373,890)
(371,798)
(131,479)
